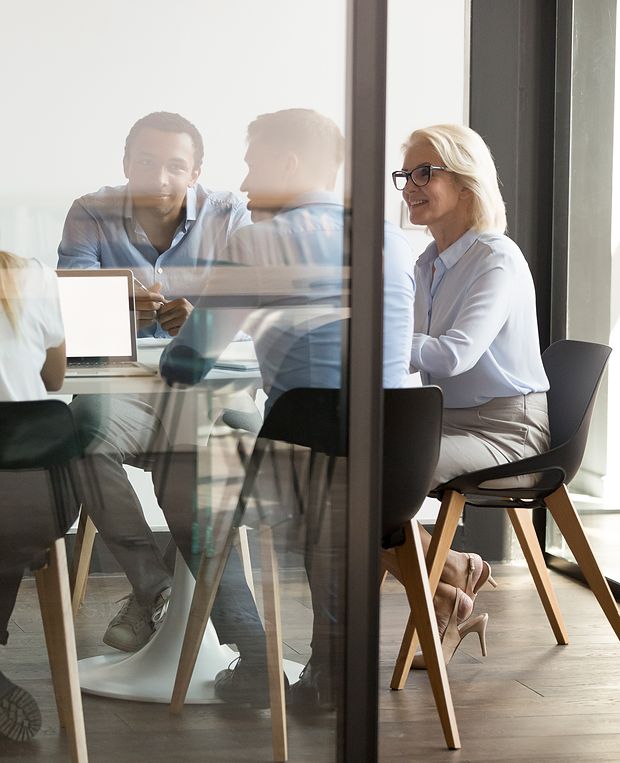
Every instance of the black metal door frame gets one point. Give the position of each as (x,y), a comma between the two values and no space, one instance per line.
(364,188)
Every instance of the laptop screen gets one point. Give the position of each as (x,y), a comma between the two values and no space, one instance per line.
(97,311)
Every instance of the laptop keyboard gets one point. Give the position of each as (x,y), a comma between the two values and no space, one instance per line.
(122,368)
(102,364)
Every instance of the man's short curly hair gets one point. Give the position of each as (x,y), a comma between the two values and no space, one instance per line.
(167,121)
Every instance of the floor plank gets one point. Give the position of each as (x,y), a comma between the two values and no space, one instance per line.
(529,700)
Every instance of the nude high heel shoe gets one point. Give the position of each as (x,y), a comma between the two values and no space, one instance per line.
(455,633)
(471,587)
(477,624)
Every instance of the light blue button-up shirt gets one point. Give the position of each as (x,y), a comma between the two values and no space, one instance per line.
(101,232)
(293,282)
(475,328)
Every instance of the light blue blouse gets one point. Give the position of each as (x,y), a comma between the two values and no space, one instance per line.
(475,328)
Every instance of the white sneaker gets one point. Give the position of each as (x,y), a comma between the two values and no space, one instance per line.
(133,626)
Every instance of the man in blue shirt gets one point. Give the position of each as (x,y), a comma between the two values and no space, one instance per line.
(167,229)
(284,281)
(162,224)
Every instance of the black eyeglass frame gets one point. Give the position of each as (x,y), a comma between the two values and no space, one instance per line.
(408,175)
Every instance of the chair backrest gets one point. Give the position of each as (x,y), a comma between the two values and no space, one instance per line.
(316,418)
(574,370)
(39,491)
(37,434)
(412,421)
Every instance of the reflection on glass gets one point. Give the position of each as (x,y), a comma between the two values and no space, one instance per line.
(142,170)
(281,282)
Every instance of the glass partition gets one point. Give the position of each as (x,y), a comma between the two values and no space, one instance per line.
(205,148)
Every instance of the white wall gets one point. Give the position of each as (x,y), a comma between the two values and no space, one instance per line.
(77,74)
(93,68)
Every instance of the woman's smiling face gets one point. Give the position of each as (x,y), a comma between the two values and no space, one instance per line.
(443,201)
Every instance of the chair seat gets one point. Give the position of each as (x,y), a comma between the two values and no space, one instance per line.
(549,479)
(501,502)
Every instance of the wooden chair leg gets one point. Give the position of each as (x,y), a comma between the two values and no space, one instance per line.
(80,564)
(207,583)
(443,535)
(524,528)
(569,524)
(382,576)
(411,560)
(406,653)
(55,602)
(244,552)
(273,634)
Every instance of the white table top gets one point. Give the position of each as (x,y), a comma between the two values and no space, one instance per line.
(225,380)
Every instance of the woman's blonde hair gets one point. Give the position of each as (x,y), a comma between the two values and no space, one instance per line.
(465,154)
(9,289)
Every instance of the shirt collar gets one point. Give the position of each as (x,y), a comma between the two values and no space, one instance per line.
(450,256)
(191,205)
(314,197)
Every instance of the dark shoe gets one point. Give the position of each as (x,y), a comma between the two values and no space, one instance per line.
(134,624)
(245,684)
(313,691)
(20,718)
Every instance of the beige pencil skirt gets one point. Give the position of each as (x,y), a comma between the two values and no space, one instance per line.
(503,430)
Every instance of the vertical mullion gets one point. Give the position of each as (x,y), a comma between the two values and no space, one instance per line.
(365,181)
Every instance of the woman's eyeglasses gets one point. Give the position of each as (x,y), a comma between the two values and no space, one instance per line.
(419,176)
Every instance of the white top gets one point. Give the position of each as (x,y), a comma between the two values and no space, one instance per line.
(475,327)
(39,327)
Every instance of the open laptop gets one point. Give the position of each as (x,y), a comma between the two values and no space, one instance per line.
(100,323)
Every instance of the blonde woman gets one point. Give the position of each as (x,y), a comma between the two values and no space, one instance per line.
(32,347)
(32,361)
(475,333)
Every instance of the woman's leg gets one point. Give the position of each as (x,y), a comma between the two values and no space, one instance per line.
(9,586)
(454,575)
(20,718)
(498,432)
(456,567)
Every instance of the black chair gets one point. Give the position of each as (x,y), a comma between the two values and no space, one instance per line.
(315,419)
(411,442)
(574,370)
(39,500)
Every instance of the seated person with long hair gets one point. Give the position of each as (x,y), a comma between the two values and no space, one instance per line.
(32,361)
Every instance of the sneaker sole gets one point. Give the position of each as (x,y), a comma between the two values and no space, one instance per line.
(123,647)
(20,717)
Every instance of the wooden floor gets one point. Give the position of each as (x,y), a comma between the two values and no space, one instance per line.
(527,701)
